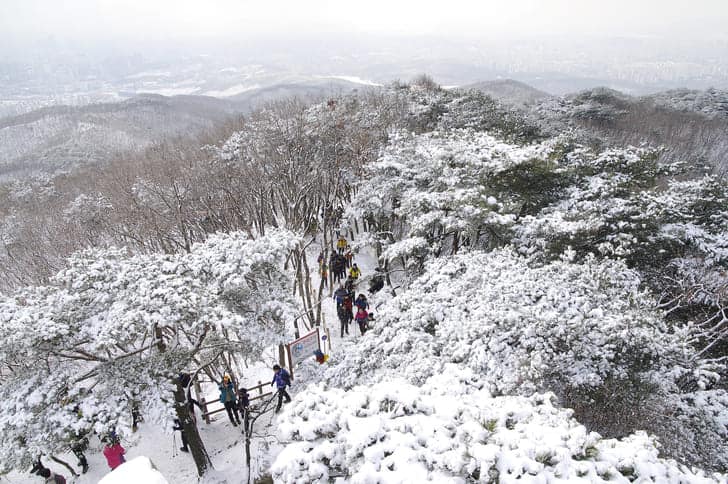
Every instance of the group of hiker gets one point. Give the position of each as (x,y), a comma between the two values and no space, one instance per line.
(237,403)
(345,294)
(339,262)
(345,304)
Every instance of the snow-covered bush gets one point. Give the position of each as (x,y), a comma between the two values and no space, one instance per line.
(140,470)
(397,432)
(521,327)
(585,331)
(476,110)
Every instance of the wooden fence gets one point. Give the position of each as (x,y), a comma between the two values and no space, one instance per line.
(255,393)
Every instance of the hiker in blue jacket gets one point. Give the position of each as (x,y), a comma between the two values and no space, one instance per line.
(361,302)
(281,379)
(340,294)
(227,397)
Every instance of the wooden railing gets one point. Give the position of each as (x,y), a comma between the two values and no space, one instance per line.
(257,388)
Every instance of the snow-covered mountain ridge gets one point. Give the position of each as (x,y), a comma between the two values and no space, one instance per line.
(545,290)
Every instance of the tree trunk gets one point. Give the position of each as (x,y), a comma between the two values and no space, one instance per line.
(248,428)
(389,281)
(64,464)
(194,441)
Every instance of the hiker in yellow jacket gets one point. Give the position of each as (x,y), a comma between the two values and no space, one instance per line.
(341,244)
(354,272)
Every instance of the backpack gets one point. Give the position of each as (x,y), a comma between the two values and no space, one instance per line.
(59,479)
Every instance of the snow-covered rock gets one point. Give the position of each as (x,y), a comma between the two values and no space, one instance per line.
(139,470)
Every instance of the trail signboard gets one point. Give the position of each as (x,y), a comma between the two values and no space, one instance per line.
(303,347)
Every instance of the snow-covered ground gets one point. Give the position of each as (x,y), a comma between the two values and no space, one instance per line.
(139,469)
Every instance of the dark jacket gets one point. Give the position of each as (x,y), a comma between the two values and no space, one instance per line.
(361,302)
(243,400)
(339,295)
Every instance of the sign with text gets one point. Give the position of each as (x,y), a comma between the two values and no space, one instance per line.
(303,347)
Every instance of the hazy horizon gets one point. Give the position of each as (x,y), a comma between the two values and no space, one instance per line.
(160,20)
(83,46)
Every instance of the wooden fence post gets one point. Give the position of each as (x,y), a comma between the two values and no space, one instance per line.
(282,355)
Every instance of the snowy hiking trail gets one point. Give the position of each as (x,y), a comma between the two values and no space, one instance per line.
(224,443)
(366,260)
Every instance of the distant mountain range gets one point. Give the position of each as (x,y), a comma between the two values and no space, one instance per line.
(62,137)
(693,125)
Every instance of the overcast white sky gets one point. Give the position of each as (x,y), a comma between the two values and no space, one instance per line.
(170,19)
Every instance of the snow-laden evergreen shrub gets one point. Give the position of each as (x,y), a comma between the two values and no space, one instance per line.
(396,432)
(441,190)
(586,331)
(521,327)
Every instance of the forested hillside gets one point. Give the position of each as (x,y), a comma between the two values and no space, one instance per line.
(685,126)
(555,305)
(65,138)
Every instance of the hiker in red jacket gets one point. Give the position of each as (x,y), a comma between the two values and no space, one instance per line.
(361,318)
(114,454)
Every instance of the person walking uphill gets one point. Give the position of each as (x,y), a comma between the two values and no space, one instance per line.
(340,294)
(281,379)
(361,302)
(361,318)
(227,398)
(354,272)
(338,268)
(344,316)
(341,244)
(324,272)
